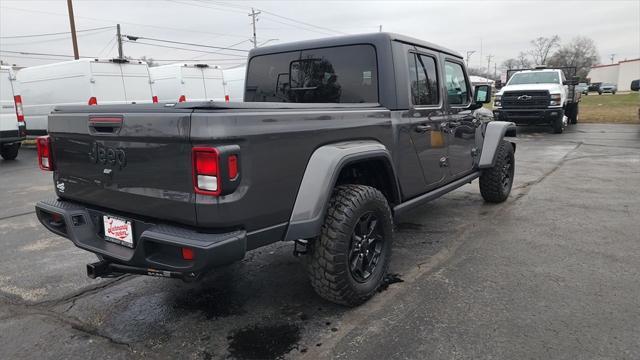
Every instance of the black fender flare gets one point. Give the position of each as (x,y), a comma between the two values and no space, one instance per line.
(320,178)
(494,132)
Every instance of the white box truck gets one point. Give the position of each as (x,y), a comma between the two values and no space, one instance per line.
(234,83)
(12,125)
(188,82)
(81,82)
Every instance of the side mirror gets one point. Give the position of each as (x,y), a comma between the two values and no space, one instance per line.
(482,94)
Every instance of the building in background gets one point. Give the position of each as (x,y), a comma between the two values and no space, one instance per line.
(621,74)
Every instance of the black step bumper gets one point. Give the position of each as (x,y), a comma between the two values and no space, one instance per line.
(529,116)
(157,248)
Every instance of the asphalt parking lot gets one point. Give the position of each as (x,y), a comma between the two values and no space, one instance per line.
(552,273)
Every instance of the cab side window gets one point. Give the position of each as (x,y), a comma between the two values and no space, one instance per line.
(457,91)
(423,80)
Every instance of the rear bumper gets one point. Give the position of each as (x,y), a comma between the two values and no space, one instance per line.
(157,248)
(529,116)
(12,136)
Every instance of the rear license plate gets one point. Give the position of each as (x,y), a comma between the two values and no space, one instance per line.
(118,230)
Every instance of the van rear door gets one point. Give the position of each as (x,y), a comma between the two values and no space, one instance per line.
(213,84)
(137,82)
(192,83)
(106,79)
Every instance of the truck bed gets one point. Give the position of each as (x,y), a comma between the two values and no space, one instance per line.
(155,181)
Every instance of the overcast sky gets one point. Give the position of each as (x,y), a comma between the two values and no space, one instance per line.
(498,28)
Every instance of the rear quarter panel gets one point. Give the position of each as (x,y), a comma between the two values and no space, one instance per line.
(275,149)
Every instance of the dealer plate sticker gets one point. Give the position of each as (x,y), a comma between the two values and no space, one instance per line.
(118,231)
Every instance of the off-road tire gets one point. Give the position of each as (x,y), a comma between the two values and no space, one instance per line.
(492,181)
(613,93)
(327,261)
(9,151)
(558,126)
(575,110)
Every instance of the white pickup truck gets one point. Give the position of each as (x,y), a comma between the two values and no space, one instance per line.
(538,97)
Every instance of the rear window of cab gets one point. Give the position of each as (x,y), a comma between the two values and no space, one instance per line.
(342,74)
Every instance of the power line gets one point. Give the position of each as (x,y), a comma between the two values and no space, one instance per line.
(302,22)
(280,16)
(135,38)
(22,42)
(51,34)
(181,48)
(42,54)
(123,22)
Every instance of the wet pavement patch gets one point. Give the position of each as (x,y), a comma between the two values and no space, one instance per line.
(212,302)
(264,341)
(388,280)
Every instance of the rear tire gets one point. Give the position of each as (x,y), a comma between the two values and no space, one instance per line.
(573,119)
(496,182)
(10,151)
(348,261)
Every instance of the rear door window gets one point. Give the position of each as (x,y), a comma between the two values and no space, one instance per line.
(423,80)
(344,74)
(456,82)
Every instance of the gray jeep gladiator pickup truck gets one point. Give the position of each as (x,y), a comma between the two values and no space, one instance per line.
(337,137)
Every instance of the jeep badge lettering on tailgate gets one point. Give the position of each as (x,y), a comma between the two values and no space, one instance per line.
(107,156)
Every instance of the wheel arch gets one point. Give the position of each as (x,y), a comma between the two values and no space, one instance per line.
(334,164)
(493,134)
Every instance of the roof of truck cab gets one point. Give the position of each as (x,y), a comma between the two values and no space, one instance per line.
(372,38)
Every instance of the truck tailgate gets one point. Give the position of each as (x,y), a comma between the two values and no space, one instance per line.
(137,163)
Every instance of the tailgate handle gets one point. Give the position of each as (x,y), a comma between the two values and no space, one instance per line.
(105,125)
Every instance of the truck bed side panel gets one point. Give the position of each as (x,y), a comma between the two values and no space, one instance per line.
(275,149)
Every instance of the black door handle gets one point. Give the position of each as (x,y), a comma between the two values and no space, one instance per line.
(423,128)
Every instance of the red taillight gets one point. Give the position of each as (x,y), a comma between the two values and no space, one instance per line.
(205,171)
(45,158)
(233,166)
(182,98)
(93,101)
(226,98)
(154,99)
(187,253)
(19,113)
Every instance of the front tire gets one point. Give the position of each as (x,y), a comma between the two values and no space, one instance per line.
(9,151)
(558,125)
(348,261)
(496,182)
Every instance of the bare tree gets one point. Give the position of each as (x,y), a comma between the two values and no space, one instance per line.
(523,60)
(510,64)
(542,48)
(581,52)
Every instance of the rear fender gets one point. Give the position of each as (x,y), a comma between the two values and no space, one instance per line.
(320,178)
(493,135)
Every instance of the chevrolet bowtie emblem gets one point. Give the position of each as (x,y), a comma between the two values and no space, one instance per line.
(524,97)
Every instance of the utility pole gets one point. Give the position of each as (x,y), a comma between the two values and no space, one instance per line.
(612,56)
(254,18)
(469,53)
(72,22)
(495,71)
(119,38)
(489,57)
(380,28)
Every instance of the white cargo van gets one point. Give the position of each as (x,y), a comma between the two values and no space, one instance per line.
(81,82)
(234,83)
(12,126)
(188,82)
